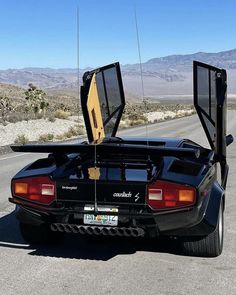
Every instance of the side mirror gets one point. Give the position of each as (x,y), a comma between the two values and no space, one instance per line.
(229,139)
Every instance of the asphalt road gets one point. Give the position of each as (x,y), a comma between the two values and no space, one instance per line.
(115,266)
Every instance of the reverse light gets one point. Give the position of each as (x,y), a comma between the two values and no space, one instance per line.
(48,189)
(37,189)
(155,194)
(164,195)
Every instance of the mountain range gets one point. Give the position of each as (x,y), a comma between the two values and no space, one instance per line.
(169,76)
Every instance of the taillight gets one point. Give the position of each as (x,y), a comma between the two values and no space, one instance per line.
(37,189)
(167,195)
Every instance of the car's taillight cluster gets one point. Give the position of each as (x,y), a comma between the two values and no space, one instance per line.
(167,195)
(37,189)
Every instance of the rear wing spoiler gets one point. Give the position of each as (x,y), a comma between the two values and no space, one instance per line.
(109,148)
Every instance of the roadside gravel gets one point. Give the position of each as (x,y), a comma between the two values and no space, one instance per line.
(157,116)
(33,129)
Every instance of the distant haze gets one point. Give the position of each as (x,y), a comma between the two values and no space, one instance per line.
(169,76)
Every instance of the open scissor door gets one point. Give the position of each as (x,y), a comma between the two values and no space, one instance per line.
(103,101)
(210,86)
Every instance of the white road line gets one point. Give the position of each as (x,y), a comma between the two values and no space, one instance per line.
(6,158)
(14,244)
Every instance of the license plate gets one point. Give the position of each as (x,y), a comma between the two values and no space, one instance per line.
(101,219)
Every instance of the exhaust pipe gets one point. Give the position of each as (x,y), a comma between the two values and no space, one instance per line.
(98,230)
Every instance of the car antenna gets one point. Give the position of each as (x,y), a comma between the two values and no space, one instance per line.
(141,70)
(95,142)
(78,61)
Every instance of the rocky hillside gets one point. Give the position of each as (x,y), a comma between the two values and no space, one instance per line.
(165,77)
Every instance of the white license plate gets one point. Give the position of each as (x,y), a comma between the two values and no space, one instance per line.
(101,219)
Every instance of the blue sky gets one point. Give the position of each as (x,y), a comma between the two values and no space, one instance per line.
(42,33)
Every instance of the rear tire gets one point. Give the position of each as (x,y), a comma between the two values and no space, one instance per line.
(208,246)
(39,234)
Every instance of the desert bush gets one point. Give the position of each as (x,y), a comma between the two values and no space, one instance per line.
(141,108)
(168,118)
(16,117)
(60,114)
(46,137)
(137,122)
(64,107)
(72,132)
(60,136)
(231,106)
(36,100)
(39,116)
(22,116)
(51,118)
(75,131)
(137,117)
(124,124)
(157,120)
(21,139)
(5,107)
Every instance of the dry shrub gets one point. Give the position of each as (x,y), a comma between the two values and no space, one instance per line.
(46,137)
(75,131)
(60,137)
(21,139)
(60,114)
(51,118)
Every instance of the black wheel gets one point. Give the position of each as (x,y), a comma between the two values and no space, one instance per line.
(208,246)
(39,234)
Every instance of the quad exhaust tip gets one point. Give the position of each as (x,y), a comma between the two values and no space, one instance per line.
(98,230)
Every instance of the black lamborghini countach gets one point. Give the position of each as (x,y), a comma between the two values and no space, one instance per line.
(130,186)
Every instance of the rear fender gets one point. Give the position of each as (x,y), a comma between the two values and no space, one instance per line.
(212,211)
(209,219)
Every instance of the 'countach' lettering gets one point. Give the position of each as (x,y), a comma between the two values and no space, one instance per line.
(122,195)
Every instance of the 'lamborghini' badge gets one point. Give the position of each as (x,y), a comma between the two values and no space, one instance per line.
(94,173)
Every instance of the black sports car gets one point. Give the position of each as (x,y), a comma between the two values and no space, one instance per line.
(132,186)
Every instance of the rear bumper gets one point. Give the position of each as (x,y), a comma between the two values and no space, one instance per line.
(98,230)
(182,222)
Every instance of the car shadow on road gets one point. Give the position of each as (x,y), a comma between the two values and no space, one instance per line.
(9,233)
(81,247)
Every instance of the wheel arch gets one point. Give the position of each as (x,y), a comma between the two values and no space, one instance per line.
(217,196)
